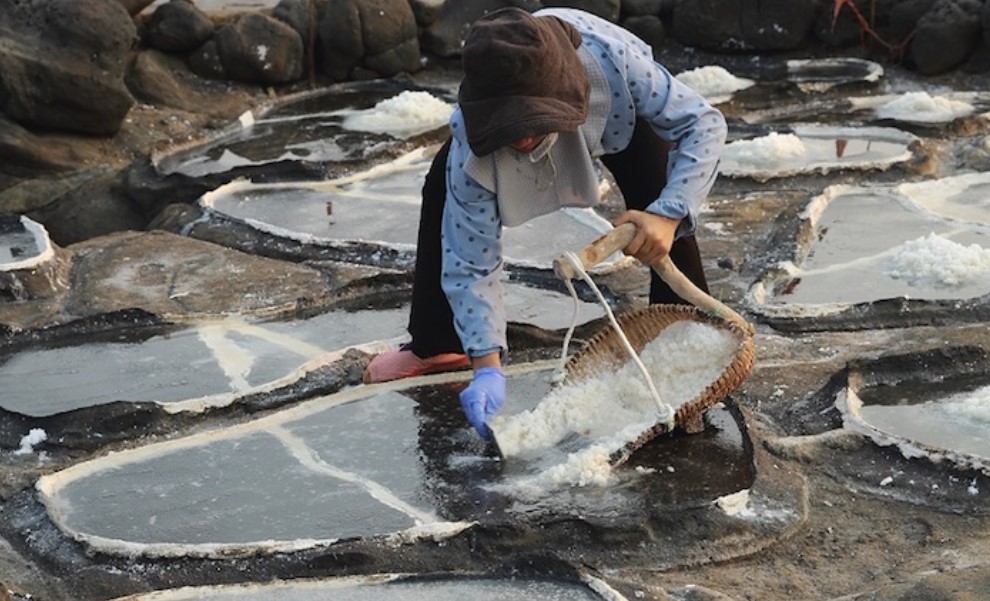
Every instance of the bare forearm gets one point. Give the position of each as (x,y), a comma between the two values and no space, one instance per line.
(490,360)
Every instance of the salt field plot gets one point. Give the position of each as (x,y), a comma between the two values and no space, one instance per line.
(396,588)
(347,125)
(381,207)
(371,461)
(936,407)
(214,363)
(211,363)
(926,240)
(264,485)
(816,149)
(954,424)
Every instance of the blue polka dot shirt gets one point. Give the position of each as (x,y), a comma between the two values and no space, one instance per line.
(639,88)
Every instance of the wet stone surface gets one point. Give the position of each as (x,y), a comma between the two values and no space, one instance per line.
(191,412)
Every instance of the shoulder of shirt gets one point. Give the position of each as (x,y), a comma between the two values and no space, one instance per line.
(456,126)
(595,30)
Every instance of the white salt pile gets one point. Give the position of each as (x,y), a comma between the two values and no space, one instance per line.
(713,82)
(35,437)
(614,409)
(766,150)
(406,114)
(921,107)
(936,261)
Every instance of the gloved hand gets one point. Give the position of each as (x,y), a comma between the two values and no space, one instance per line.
(483,398)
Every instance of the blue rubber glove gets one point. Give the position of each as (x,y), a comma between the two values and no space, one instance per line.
(483,398)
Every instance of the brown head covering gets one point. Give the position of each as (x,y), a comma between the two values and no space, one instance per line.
(522,77)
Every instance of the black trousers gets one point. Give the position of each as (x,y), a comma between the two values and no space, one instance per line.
(639,171)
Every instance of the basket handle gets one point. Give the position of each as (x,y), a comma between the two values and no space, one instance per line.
(619,238)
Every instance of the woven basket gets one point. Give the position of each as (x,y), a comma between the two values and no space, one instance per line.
(605,353)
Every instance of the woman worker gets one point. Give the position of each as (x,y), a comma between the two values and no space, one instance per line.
(543,96)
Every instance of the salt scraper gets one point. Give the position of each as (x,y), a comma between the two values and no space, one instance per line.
(606,351)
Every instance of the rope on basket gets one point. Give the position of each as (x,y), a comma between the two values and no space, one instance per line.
(665,411)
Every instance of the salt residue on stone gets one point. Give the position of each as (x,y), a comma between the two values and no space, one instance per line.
(406,114)
(937,261)
(765,150)
(924,108)
(713,82)
(613,409)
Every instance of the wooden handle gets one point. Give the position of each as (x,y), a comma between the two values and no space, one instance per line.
(596,252)
(618,239)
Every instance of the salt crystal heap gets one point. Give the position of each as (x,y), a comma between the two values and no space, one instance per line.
(616,408)
(404,115)
(937,261)
(921,107)
(713,82)
(766,150)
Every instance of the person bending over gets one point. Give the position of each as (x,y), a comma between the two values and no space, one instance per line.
(543,96)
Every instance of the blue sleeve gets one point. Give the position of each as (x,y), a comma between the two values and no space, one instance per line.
(642,88)
(680,115)
(471,240)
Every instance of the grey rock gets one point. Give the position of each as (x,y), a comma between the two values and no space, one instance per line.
(161,79)
(637,8)
(178,26)
(255,48)
(979,60)
(205,61)
(649,28)
(445,36)
(62,63)
(94,207)
(301,15)
(380,35)
(426,11)
(946,35)
(744,25)
(26,155)
(904,18)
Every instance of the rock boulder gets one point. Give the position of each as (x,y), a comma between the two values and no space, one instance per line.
(62,64)
(376,35)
